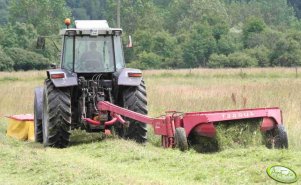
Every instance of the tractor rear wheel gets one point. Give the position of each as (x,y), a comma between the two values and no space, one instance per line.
(134,99)
(38,130)
(56,116)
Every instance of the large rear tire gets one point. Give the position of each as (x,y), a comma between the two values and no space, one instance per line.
(56,116)
(38,101)
(134,99)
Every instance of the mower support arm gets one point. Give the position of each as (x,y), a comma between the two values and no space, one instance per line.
(107,106)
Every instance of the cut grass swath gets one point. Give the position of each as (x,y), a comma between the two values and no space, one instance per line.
(230,134)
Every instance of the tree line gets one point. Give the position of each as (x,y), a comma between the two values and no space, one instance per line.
(166,33)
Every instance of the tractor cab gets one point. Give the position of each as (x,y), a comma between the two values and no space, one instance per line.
(92,47)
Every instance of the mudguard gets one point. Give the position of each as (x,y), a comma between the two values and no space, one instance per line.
(70,78)
(38,95)
(124,79)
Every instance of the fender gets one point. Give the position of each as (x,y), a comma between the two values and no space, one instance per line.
(126,80)
(38,92)
(69,79)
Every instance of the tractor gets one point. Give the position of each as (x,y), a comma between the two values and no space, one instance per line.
(92,69)
(94,91)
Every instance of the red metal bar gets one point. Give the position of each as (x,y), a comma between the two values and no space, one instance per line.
(215,116)
(91,121)
(107,106)
(111,122)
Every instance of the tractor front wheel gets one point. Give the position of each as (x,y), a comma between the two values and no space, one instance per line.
(56,116)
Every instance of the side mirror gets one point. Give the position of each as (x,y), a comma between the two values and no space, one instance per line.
(41,43)
(130,44)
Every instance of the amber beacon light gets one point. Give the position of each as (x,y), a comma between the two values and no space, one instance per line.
(67,22)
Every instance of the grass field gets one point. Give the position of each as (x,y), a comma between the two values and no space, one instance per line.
(92,159)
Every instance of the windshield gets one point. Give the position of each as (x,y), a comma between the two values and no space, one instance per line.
(91,54)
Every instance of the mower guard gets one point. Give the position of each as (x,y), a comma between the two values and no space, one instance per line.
(21,127)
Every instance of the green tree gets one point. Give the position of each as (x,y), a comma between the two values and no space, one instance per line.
(253,25)
(287,52)
(184,14)
(176,13)
(89,9)
(229,43)
(80,14)
(275,13)
(3,12)
(164,44)
(218,61)
(218,25)
(167,47)
(162,3)
(200,45)
(297,6)
(27,60)
(6,63)
(268,38)
(18,35)
(143,41)
(147,60)
(240,59)
(161,43)
(261,54)
(46,16)
(135,15)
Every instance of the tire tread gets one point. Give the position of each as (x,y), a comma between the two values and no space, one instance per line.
(59,116)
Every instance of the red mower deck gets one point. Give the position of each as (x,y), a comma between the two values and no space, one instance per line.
(175,124)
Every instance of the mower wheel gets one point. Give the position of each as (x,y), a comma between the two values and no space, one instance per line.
(269,139)
(181,139)
(281,141)
(38,101)
(56,116)
(276,137)
(134,99)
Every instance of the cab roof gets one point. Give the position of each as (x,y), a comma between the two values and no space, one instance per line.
(92,28)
